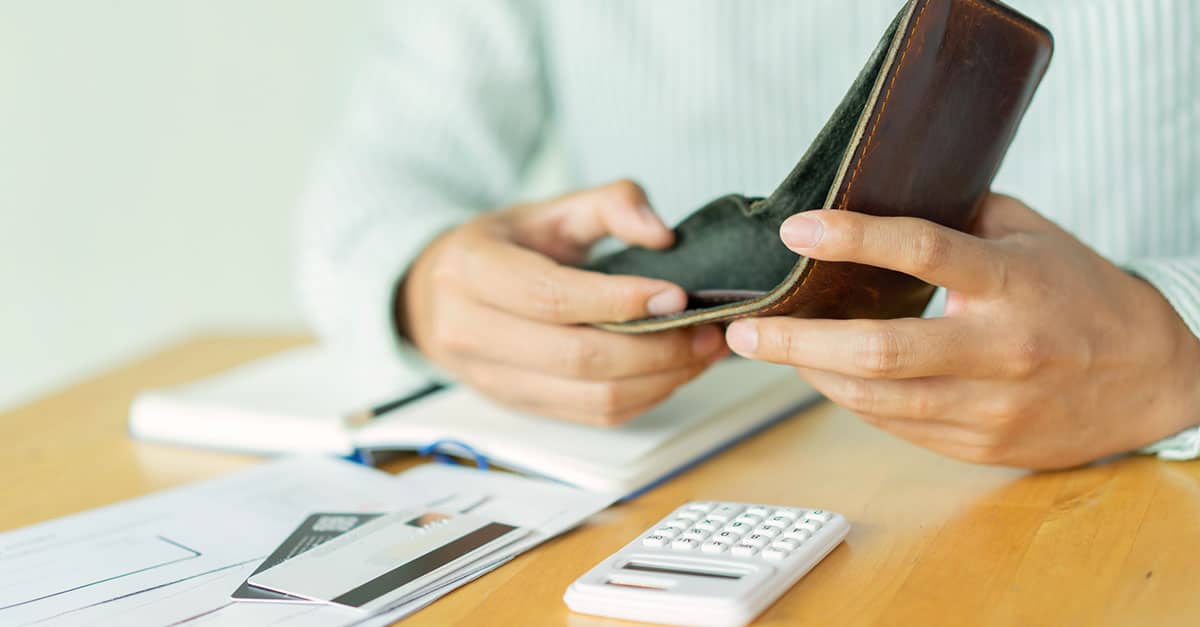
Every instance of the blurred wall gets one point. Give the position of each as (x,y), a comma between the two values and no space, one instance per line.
(150,155)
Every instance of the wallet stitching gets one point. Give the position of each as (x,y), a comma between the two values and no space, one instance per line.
(866,147)
(887,99)
(869,145)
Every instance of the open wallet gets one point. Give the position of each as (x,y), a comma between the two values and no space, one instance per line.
(921,133)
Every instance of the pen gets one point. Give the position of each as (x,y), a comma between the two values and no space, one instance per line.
(361,418)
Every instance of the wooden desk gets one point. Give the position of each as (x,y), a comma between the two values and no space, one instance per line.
(935,542)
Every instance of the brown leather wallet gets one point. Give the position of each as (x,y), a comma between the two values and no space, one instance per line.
(921,133)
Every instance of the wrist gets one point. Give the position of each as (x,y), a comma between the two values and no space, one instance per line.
(412,295)
(1180,385)
(406,300)
(399,312)
(1190,371)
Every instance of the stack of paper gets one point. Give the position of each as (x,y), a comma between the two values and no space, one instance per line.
(181,555)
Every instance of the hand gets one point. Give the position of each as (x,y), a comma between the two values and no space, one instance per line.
(491,302)
(1048,356)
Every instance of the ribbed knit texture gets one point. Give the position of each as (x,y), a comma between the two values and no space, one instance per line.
(695,99)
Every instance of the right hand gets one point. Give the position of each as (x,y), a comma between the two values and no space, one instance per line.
(495,303)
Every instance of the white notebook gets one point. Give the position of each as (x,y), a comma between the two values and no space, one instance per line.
(303,400)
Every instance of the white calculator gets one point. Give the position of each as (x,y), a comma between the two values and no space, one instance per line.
(709,563)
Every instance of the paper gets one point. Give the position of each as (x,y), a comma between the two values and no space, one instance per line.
(463,414)
(176,535)
(107,566)
(296,401)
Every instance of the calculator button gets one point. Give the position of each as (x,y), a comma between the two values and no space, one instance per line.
(738,526)
(748,519)
(758,510)
(785,545)
(770,532)
(819,514)
(689,514)
(790,514)
(714,546)
(798,534)
(778,521)
(724,512)
(810,525)
(655,541)
(669,532)
(774,555)
(685,544)
(700,506)
(707,524)
(744,550)
(680,523)
(756,539)
(698,534)
(727,535)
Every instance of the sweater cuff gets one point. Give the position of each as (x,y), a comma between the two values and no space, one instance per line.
(1178,280)
(363,289)
(1183,446)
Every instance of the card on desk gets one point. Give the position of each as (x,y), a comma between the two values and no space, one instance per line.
(387,560)
(316,530)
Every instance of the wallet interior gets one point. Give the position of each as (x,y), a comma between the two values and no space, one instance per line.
(729,251)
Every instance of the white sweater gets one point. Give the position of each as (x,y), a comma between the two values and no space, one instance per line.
(695,99)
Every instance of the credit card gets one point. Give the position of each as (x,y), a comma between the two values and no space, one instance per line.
(314,531)
(386,560)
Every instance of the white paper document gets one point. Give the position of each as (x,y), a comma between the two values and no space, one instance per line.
(175,557)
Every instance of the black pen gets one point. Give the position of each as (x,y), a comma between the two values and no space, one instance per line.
(361,418)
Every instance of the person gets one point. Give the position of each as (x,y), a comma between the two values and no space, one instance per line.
(1072,309)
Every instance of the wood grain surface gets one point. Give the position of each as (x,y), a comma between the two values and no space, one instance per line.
(935,541)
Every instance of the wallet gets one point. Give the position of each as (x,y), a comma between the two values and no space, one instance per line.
(921,133)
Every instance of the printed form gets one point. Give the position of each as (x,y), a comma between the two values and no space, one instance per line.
(175,557)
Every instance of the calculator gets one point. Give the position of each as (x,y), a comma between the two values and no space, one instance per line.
(709,563)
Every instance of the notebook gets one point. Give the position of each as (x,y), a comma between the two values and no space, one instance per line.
(308,400)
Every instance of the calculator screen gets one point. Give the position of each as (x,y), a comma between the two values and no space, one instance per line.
(675,570)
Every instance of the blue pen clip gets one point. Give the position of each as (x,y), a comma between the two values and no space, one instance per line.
(438,448)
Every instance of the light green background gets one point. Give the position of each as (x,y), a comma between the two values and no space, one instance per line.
(151,153)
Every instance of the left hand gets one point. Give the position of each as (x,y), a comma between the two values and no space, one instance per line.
(1048,355)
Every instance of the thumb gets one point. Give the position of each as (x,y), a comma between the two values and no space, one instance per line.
(566,227)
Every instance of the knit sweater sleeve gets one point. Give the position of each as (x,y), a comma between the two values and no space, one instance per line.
(444,117)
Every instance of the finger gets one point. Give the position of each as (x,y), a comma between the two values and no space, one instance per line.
(530,285)
(928,251)
(567,226)
(579,352)
(930,400)
(595,403)
(875,349)
(620,209)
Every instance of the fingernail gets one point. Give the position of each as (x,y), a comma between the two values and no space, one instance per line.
(801,231)
(666,302)
(742,337)
(705,341)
